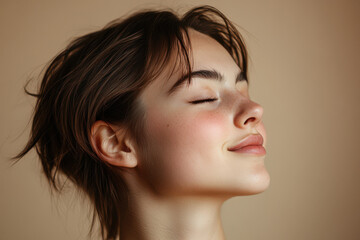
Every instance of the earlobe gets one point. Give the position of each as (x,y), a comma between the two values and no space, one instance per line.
(111,145)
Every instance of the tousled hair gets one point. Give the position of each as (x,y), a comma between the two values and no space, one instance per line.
(99,76)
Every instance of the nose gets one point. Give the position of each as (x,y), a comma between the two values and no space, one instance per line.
(249,114)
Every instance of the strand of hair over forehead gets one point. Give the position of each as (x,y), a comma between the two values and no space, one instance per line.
(237,48)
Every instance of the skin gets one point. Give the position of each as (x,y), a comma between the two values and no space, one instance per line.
(179,180)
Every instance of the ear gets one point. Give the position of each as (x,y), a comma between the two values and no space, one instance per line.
(112,145)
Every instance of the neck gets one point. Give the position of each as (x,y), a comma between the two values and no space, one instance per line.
(185,218)
(153,217)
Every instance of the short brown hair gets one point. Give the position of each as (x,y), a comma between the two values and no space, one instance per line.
(99,77)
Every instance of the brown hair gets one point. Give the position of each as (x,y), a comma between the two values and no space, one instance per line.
(99,77)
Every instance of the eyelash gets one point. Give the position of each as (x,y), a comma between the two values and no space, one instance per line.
(204,100)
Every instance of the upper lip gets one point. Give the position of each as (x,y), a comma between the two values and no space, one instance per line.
(251,140)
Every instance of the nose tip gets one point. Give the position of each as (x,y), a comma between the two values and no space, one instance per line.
(249,115)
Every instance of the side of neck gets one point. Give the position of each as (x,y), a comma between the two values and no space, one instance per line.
(186,218)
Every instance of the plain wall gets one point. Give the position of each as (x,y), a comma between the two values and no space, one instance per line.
(305,58)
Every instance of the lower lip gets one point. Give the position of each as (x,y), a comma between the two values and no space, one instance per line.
(252,149)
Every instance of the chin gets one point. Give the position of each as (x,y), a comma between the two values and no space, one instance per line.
(254,185)
(260,184)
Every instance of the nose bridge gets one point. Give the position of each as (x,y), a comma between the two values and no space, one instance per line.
(247,113)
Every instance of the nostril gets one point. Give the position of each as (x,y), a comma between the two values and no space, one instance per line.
(249,114)
(251,119)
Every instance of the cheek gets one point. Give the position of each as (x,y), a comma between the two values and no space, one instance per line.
(183,147)
(195,129)
(205,129)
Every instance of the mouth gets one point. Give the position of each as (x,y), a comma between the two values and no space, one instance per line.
(252,144)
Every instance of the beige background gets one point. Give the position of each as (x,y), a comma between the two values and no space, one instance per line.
(304,71)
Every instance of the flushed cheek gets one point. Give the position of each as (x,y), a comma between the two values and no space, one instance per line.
(206,129)
(196,129)
(193,132)
(185,147)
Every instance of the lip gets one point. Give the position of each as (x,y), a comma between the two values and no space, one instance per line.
(251,144)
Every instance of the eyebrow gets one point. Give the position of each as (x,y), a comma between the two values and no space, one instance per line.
(205,74)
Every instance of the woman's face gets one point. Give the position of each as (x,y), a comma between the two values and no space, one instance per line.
(190,129)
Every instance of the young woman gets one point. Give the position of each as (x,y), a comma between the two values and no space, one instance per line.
(151,118)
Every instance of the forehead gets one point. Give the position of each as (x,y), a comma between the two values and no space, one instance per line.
(205,54)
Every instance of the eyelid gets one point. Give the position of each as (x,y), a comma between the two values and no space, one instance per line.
(204,100)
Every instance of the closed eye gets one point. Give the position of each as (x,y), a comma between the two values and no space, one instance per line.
(203,100)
